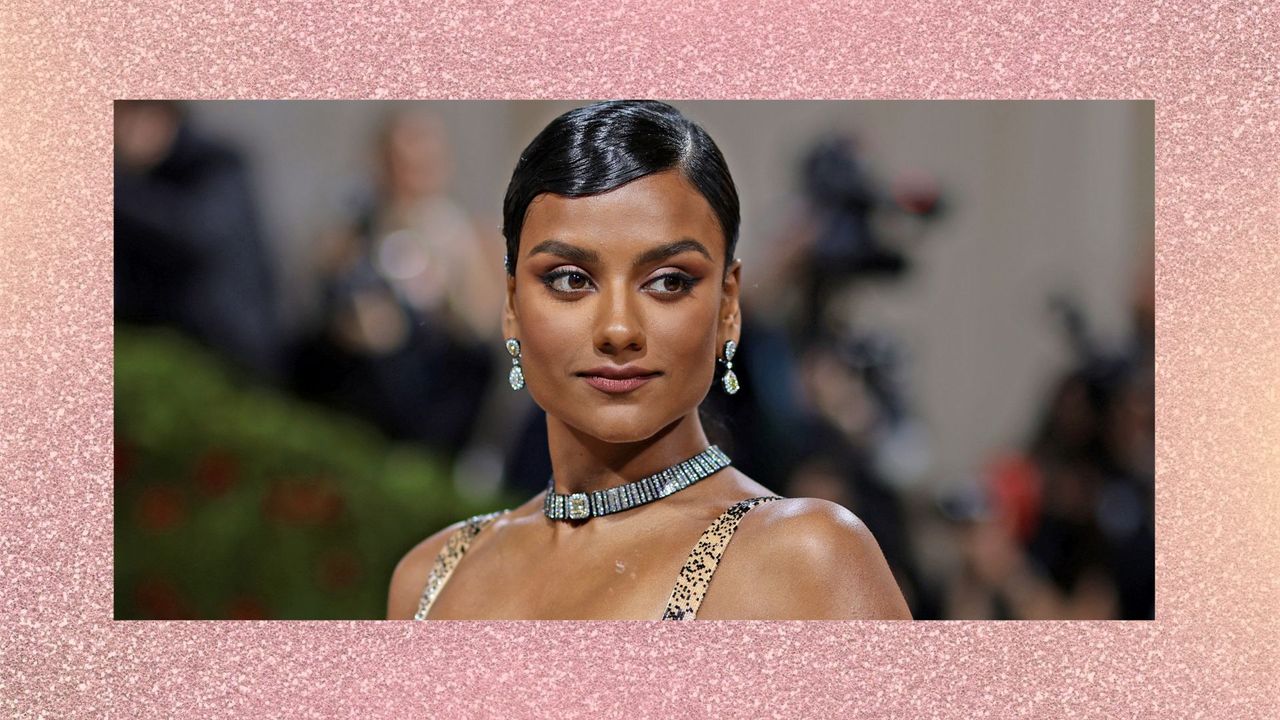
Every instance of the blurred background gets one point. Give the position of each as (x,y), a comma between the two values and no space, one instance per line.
(948,329)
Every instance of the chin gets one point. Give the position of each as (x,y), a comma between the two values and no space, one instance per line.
(618,425)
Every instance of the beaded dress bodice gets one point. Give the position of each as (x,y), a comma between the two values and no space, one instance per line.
(690,587)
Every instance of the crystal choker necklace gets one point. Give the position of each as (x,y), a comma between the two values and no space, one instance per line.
(581,506)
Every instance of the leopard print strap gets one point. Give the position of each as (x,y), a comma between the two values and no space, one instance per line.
(695,576)
(454,548)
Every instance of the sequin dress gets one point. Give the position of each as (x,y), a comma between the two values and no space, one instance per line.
(686,596)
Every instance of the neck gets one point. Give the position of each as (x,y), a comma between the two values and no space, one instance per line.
(582,463)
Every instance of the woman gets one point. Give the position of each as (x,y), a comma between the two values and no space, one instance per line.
(621,220)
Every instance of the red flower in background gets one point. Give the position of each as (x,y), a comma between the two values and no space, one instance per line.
(339,569)
(159,599)
(161,508)
(246,607)
(217,471)
(303,501)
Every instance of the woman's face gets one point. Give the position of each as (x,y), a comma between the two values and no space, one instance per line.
(630,280)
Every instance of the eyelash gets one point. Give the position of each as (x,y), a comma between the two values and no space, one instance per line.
(686,282)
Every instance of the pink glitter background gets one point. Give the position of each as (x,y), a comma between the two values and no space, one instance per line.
(1212,71)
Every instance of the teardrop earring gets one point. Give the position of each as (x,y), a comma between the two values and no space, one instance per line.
(730,379)
(516,378)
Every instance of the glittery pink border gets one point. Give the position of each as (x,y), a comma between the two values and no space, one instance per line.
(1211,70)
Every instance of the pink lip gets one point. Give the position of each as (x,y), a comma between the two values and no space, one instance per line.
(615,379)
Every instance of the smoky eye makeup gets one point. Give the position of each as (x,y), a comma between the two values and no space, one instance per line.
(569,280)
(674,283)
(566,280)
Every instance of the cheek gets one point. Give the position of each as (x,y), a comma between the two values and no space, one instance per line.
(685,343)
(553,335)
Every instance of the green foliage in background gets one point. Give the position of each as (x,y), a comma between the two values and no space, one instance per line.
(233,500)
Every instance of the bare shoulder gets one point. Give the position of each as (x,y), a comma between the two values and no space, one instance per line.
(807,522)
(410,576)
(812,559)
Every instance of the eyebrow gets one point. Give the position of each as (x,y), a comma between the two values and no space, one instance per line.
(662,252)
(573,253)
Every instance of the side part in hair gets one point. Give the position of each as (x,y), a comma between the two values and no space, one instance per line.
(601,147)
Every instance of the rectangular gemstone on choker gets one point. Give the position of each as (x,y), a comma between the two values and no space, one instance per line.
(578,508)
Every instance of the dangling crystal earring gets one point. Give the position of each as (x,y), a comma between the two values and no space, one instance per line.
(730,379)
(516,378)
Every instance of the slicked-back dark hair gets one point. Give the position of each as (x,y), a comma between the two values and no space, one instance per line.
(600,147)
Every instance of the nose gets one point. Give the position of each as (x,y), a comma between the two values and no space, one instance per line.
(618,327)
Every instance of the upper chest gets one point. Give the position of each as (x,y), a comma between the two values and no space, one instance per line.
(517,574)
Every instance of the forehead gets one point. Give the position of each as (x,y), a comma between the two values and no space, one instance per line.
(656,208)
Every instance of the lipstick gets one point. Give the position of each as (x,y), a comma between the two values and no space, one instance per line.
(617,385)
(616,379)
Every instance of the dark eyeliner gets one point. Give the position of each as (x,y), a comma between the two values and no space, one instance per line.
(553,275)
(687,281)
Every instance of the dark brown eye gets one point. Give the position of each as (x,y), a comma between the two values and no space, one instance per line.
(567,281)
(671,284)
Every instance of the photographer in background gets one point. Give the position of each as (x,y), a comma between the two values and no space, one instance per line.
(408,322)
(189,252)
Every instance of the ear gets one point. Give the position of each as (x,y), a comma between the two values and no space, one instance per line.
(730,319)
(510,323)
